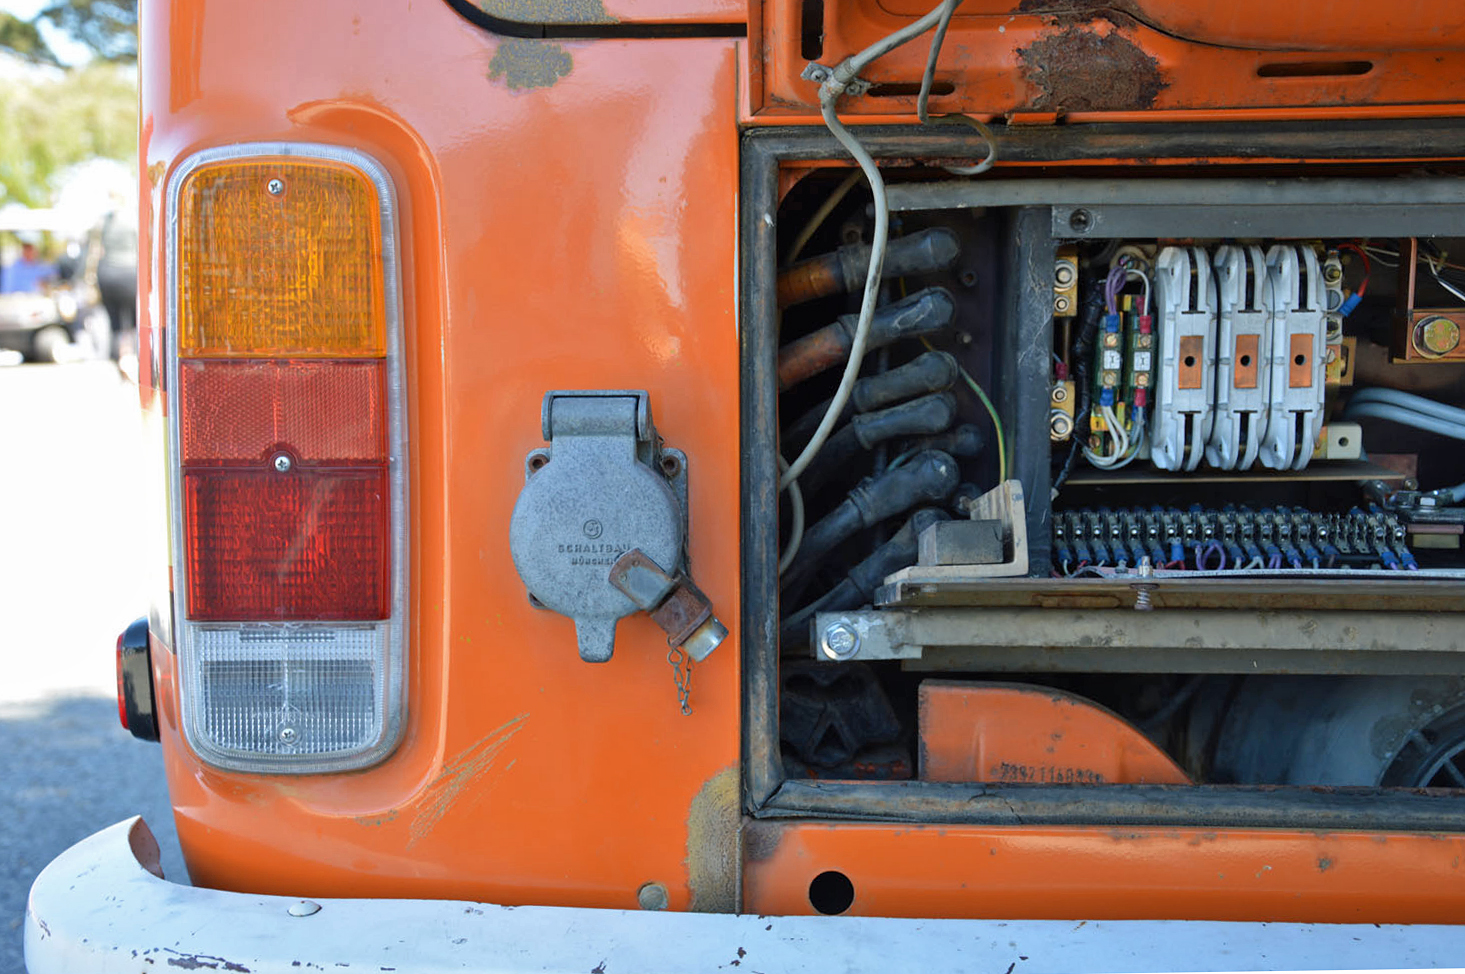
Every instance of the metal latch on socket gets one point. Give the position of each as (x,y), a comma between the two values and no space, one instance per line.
(600,528)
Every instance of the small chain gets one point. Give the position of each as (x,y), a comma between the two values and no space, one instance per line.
(681,675)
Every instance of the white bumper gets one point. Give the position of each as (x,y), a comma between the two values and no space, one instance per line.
(97,908)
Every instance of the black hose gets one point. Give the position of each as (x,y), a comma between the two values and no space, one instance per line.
(929,477)
(858,587)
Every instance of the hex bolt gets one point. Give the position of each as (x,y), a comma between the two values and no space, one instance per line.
(275,186)
(282,463)
(653,896)
(839,641)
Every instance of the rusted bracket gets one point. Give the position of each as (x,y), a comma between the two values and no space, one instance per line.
(673,602)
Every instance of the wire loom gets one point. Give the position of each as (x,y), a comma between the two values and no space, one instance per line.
(1230,539)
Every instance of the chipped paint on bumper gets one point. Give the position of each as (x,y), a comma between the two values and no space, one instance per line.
(101,907)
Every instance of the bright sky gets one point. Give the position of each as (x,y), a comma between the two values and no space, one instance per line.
(69,51)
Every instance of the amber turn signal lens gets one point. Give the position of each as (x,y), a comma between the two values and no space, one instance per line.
(280,257)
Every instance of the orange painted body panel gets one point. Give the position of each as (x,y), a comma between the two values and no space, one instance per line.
(583,234)
(1111,874)
(1405,25)
(574,236)
(1032,735)
(1178,59)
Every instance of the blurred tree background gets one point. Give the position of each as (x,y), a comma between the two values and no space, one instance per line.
(68,92)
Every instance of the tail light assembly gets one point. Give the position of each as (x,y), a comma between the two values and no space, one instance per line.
(287,457)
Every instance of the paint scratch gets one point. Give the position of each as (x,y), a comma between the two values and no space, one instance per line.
(464,770)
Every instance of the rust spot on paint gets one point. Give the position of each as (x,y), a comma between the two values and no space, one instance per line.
(1324,864)
(713,822)
(523,63)
(1084,70)
(464,771)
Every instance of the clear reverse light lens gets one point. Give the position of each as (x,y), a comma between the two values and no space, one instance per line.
(288,692)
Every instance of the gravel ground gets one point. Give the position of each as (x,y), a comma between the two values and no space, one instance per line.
(77,564)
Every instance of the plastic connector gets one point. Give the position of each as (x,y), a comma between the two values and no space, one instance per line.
(1106,397)
(1146,324)
(1350,304)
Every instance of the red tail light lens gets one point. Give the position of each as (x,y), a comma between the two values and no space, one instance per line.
(121,693)
(253,409)
(306,544)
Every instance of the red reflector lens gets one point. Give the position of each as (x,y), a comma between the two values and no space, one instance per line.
(121,693)
(249,410)
(309,544)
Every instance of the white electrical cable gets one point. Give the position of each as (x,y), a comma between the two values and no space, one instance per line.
(1134,447)
(830,91)
(948,9)
(850,67)
(796,527)
(1117,436)
(1403,416)
(867,303)
(1434,270)
(1131,273)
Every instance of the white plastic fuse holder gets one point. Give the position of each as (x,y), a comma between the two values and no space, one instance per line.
(1295,406)
(1186,320)
(1243,343)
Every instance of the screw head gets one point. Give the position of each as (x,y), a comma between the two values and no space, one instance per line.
(653,896)
(1063,273)
(303,908)
(839,641)
(282,463)
(275,186)
(288,735)
(1080,220)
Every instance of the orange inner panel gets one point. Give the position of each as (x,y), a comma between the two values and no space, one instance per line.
(1032,735)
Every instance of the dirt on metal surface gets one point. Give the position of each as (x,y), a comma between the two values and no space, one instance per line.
(1079,69)
(522,63)
(713,824)
(548,11)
